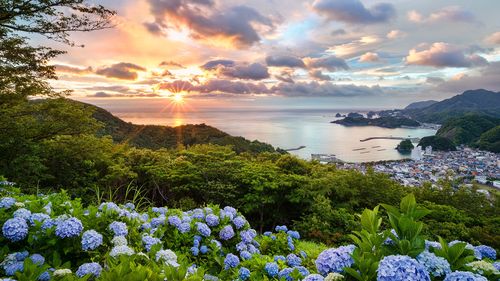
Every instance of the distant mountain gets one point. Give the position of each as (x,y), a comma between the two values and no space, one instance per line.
(421,104)
(155,137)
(467,129)
(385,122)
(474,101)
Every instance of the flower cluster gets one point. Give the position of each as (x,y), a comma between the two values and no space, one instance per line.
(335,260)
(436,266)
(401,268)
(91,239)
(464,276)
(485,252)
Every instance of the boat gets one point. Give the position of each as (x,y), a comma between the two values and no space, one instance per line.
(358,149)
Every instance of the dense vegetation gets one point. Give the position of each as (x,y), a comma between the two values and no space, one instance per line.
(405,146)
(386,122)
(437,143)
(490,140)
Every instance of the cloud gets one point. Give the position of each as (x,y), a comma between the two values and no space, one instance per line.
(357,47)
(240,25)
(327,89)
(232,87)
(171,63)
(285,77)
(434,80)
(216,63)
(100,95)
(493,38)
(450,13)
(330,63)
(487,78)
(338,32)
(395,34)
(229,68)
(318,74)
(122,70)
(444,55)
(369,57)
(72,69)
(353,11)
(285,61)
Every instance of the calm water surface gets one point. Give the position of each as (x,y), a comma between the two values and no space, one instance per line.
(292,128)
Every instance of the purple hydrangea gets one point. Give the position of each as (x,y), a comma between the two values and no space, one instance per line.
(231,261)
(155,222)
(212,220)
(271,269)
(15,229)
(231,211)
(89,269)
(302,270)
(335,259)
(121,250)
(160,210)
(91,240)
(226,233)
(464,276)
(118,228)
(69,228)
(203,229)
(401,268)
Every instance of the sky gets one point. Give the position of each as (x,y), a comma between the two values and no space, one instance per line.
(279,53)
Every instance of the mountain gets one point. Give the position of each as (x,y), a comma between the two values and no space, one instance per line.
(481,102)
(385,122)
(156,137)
(467,129)
(421,104)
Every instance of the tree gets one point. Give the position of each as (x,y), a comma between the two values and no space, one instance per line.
(405,146)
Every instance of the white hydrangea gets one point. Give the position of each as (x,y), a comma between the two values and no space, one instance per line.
(121,250)
(62,272)
(168,256)
(119,241)
(19,204)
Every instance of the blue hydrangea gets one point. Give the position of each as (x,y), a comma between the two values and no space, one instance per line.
(130,206)
(37,259)
(91,240)
(245,255)
(7,202)
(314,277)
(68,228)
(118,228)
(302,270)
(486,252)
(174,221)
(38,217)
(389,241)
(293,260)
(11,268)
(203,249)
(203,229)
(271,269)
(252,249)
(294,234)
(226,233)
(247,236)
(208,277)
(15,229)
(281,228)
(184,227)
(92,268)
(121,250)
(279,258)
(149,242)
(241,246)
(195,251)
(22,213)
(285,274)
(303,254)
(160,210)
(432,244)
(230,210)
(290,244)
(436,266)
(218,244)
(155,222)
(497,265)
(267,233)
(401,268)
(244,273)
(45,276)
(464,276)
(239,222)
(231,261)
(335,260)
(212,220)
(48,223)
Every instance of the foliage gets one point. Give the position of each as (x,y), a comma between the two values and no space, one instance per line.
(437,143)
(457,254)
(386,122)
(490,140)
(467,129)
(405,146)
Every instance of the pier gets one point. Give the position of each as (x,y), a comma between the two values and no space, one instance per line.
(391,138)
(297,148)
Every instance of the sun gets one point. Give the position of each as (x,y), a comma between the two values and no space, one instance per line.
(178,98)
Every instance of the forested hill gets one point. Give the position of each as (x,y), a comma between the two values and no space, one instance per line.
(481,102)
(155,137)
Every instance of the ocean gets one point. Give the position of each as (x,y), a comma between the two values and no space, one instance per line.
(287,129)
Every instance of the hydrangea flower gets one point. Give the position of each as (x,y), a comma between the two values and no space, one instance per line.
(294,234)
(61,272)
(160,210)
(252,249)
(15,229)
(279,258)
(285,274)
(118,228)
(149,242)
(293,260)
(68,228)
(226,233)
(302,270)
(389,241)
(203,229)
(198,214)
(245,255)
(230,210)
(119,241)
(195,251)
(155,222)
(91,239)
(92,268)
(11,268)
(241,246)
(436,266)
(247,236)
(45,276)
(432,244)
(130,206)
(203,249)
(174,221)
(7,202)
(334,276)
(38,217)
(401,268)
(168,257)
(212,220)
(208,277)
(281,228)
(486,252)
(121,250)
(231,261)
(267,233)
(109,206)
(184,227)
(482,267)
(497,265)
(22,213)
(239,222)
(244,273)
(37,259)
(335,260)
(464,276)
(272,269)
(314,277)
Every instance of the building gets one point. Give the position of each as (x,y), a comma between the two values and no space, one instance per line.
(416,153)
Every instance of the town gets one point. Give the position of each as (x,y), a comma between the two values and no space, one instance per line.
(465,165)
